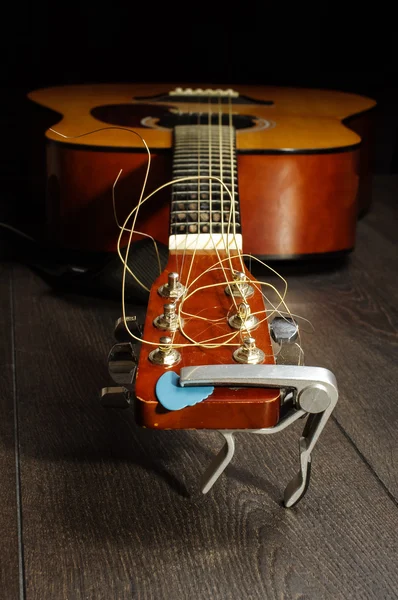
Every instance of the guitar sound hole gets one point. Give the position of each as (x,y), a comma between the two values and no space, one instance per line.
(165,117)
(170,120)
(127,115)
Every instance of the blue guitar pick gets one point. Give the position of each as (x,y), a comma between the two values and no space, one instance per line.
(174,397)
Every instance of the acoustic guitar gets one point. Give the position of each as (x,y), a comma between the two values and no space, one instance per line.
(206,359)
(300,166)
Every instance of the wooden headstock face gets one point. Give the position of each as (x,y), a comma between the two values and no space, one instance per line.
(226,408)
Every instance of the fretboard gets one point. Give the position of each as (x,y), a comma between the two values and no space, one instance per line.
(201,213)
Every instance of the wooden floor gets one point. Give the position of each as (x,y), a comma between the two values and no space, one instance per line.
(92,507)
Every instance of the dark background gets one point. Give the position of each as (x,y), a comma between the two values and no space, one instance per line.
(47,44)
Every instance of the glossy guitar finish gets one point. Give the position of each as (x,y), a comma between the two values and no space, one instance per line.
(303,164)
(206,359)
(226,408)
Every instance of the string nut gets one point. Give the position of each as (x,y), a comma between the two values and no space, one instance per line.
(165,355)
(173,288)
(248,353)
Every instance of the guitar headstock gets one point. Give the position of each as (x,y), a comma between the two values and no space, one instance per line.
(216,316)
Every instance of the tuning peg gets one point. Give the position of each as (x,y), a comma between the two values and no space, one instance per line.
(165,354)
(241,287)
(168,320)
(122,365)
(122,335)
(284,330)
(248,353)
(284,333)
(173,288)
(115,397)
(243,319)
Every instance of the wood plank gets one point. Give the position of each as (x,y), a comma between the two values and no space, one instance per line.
(9,571)
(112,511)
(353,308)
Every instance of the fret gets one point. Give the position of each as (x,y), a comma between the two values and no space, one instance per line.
(178,173)
(198,166)
(205,152)
(215,148)
(189,204)
(192,215)
(178,228)
(204,156)
(204,161)
(203,191)
(194,185)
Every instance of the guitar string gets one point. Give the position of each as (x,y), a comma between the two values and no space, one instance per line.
(232,211)
(198,108)
(197,201)
(226,234)
(232,134)
(127,253)
(97,130)
(199,146)
(221,175)
(210,151)
(230,335)
(282,298)
(205,343)
(135,213)
(211,131)
(264,283)
(275,309)
(136,232)
(139,203)
(174,333)
(210,205)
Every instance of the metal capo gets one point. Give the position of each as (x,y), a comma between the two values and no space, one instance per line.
(314,394)
(305,391)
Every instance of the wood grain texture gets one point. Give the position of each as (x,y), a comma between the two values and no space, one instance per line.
(353,308)
(293,203)
(250,408)
(306,118)
(111,510)
(79,207)
(9,573)
(290,204)
(299,204)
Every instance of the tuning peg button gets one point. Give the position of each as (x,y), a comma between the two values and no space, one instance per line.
(284,330)
(122,364)
(122,335)
(115,397)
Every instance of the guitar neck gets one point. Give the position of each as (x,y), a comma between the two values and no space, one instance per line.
(205,213)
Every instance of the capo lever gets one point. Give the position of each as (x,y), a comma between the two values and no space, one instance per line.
(315,394)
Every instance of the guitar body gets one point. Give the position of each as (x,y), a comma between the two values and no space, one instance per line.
(303,159)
